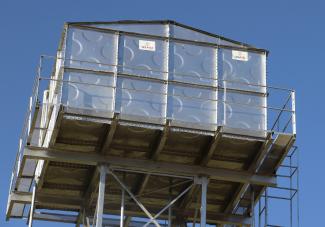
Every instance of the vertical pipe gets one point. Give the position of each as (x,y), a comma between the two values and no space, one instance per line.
(32,207)
(293,107)
(204,201)
(101,195)
(122,208)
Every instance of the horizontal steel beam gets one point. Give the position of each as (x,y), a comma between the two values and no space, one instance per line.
(15,197)
(73,219)
(44,199)
(20,197)
(148,166)
(219,218)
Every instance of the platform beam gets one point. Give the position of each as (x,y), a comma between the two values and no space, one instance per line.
(149,166)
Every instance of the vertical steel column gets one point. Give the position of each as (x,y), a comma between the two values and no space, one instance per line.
(32,207)
(224,100)
(204,185)
(122,208)
(170,207)
(252,207)
(298,200)
(101,195)
(291,215)
(170,216)
(293,107)
(265,209)
(259,213)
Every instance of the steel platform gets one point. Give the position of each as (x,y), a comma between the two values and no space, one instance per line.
(157,163)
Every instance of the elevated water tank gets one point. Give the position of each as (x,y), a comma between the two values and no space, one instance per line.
(152,72)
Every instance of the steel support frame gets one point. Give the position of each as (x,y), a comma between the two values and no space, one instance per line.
(253,169)
(149,166)
(266,198)
(101,195)
(204,186)
(99,211)
(32,208)
(109,169)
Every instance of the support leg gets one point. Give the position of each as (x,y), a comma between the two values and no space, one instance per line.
(101,195)
(170,208)
(266,207)
(252,206)
(32,207)
(122,208)
(204,185)
(170,217)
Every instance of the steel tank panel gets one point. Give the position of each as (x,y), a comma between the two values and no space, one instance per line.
(145,57)
(141,100)
(243,72)
(190,89)
(192,106)
(148,29)
(242,110)
(189,34)
(88,91)
(89,49)
(194,64)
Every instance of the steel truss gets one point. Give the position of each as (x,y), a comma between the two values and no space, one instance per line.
(98,219)
(153,219)
(270,209)
(285,194)
(259,216)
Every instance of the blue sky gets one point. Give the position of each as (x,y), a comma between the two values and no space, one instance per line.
(293,31)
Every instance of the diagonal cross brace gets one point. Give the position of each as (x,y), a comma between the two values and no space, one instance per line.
(134,198)
(169,204)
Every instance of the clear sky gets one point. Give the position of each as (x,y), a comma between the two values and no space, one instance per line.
(293,31)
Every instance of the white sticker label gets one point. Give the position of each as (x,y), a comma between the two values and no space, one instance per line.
(239,55)
(147,45)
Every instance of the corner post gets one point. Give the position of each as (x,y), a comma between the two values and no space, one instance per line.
(32,207)
(122,208)
(204,185)
(101,195)
(252,214)
(293,107)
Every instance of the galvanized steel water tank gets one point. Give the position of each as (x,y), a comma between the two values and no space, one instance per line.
(151,72)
